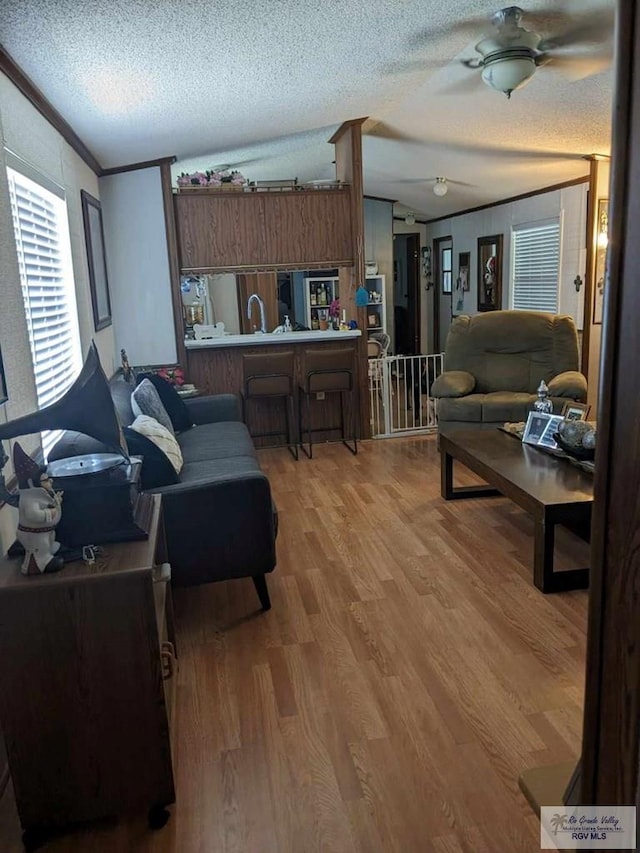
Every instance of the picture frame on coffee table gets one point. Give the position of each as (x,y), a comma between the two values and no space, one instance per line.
(573,411)
(540,428)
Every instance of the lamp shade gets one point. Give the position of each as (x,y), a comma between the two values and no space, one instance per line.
(507,75)
(440,187)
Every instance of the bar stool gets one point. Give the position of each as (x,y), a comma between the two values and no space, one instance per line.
(270,376)
(328,371)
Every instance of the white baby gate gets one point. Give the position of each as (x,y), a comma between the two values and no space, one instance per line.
(400,398)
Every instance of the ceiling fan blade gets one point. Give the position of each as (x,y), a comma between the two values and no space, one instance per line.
(470,26)
(432,181)
(470,85)
(579,67)
(594,27)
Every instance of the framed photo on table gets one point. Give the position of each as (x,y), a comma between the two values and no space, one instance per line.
(540,428)
(572,411)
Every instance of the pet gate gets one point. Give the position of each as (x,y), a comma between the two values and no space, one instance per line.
(400,398)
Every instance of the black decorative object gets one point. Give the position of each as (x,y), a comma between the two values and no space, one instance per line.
(94,240)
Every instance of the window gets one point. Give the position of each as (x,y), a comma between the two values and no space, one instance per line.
(46,275)
(536,266)
(446,269)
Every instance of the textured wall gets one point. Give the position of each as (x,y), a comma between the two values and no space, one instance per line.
(27,134)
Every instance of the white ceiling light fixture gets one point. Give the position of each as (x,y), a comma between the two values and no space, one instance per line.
(410,218)
(440,187)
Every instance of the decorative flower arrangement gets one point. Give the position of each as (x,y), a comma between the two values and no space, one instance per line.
(173,375)
(334,309)
(210,178)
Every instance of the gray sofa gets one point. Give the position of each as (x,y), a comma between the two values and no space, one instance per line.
(494,362)
(219,518)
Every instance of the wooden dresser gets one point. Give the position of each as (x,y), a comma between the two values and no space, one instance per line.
(87,664)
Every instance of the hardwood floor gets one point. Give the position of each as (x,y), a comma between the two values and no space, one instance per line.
(407,673)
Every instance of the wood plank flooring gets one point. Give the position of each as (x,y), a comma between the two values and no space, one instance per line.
(407,674)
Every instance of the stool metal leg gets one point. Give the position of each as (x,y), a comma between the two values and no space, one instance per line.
(353,449)
(291,443)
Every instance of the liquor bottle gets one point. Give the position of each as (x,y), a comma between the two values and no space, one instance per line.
(314,295)
(323,295)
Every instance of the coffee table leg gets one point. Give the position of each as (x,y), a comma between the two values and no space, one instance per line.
(543,555)
(446,475)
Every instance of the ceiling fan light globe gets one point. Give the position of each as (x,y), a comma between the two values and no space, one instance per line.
(507,75)
(440,187)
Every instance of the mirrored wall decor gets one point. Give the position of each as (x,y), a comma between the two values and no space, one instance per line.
(490,273)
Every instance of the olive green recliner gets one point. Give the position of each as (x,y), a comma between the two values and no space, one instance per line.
(494,362)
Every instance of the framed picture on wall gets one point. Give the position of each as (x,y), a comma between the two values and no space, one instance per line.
(94,241)
(601,258)
(464,270)
(490,273)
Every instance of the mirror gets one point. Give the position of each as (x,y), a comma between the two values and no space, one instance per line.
(490,273)
(222,297)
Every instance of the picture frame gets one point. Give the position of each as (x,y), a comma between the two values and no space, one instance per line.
(94,242)
(540,428)
(464,270)
(4,396)
(490,273)
(572,411)
(600,270)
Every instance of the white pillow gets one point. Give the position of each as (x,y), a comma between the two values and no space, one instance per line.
(161,437)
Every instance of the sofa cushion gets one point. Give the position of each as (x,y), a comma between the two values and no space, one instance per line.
(145,400)
(226,439)
(161,437)
(171,400)
(467,408)
(210,469)
(156,471)
(501,406)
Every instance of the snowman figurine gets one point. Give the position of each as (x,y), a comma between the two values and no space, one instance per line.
(39,511)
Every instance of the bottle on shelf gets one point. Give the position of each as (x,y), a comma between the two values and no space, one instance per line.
(323,294)
(314,295)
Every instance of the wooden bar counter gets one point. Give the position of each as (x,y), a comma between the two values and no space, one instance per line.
(215,367)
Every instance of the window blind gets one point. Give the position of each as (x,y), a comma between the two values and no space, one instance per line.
(46,276)
(536,266)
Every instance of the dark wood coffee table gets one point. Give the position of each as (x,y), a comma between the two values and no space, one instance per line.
(551,490)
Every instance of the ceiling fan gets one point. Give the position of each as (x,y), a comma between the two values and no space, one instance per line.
(440,186)
(508,58)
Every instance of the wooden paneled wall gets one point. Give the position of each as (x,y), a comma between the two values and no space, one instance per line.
(265,284)
(218,230)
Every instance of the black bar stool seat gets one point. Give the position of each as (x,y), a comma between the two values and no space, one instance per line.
(271,376)
(328,371)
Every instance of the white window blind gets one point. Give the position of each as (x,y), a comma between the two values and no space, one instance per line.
(46,275)
(536,266)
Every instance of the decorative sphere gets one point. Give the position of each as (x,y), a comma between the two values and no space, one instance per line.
(589,440)
(573,433)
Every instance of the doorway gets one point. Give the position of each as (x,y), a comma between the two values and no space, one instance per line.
(406,293)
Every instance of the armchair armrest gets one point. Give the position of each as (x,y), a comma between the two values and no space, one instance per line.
(571,384)
(453,383)
(214,408)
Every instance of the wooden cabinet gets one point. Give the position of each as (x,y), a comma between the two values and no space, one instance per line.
(87,667)
(236,230)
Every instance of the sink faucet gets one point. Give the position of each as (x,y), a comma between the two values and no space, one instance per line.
(263,323)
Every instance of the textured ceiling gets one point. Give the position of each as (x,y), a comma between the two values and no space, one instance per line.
(262,85)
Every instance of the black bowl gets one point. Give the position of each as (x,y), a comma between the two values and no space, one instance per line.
(585,454)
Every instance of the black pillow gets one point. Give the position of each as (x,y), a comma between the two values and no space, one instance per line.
(157,470)
(170,399)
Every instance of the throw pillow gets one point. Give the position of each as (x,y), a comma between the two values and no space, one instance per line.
(171,400)
(157,470)
(161,437)
(145,400)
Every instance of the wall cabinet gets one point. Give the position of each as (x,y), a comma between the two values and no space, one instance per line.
(220,231)
(87,666)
